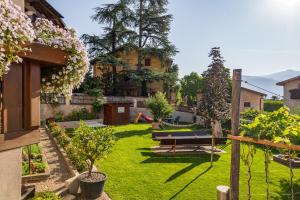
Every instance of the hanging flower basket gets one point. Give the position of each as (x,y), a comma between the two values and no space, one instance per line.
(15,30)
(63,79)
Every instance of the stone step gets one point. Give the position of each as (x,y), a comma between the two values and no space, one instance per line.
(69,197)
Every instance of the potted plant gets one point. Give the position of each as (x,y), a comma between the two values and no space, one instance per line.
(159,107)
(92,144)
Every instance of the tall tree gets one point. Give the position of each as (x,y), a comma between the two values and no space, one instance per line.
(151,25)
(170,80)
(103,48)
(215,104)
(191,84)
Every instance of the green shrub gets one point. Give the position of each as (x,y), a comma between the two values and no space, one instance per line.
(272,105)
(82,114)
(40,167)
(59,117)
(274,125)
(226,124)
(46,196)
(159,106)
(91,144)
(78,163)
(296,110)
(25,168)
(250,114)
(98,105)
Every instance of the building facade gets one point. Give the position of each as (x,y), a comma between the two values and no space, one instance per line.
(20,102)
(251,99)
(129,61)
(291,92)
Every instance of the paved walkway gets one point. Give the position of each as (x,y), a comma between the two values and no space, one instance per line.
(58,171)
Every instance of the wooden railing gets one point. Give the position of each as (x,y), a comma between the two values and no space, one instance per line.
(52,99)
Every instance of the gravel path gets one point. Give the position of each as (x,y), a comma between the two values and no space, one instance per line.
(58,171)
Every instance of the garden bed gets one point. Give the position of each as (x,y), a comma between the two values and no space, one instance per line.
(72,170)
(38,169)
(283,159)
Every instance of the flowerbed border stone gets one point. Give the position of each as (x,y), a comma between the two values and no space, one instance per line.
(70,167)
(71,184)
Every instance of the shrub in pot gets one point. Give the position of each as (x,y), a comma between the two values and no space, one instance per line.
(159,107)
(91,144)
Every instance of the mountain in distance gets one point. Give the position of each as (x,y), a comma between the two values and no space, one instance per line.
(268,82)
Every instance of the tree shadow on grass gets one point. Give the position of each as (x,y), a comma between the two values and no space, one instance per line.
(285,190)
(187,185)
(125,134)
(194,159)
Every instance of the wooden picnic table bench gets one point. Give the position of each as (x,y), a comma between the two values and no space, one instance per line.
(196,138)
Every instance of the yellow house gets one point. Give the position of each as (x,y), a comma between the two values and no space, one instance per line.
(130,61)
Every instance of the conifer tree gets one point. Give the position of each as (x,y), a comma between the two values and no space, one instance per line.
(216,100)
(102,49)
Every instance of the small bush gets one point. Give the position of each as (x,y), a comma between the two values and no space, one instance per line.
(92,143)
(226,124)
(78,163)
(46,196)
(98,105)
(272,105)
(159,106)
(82,114)
(59,117)
(40,167)
(296,110)
(250,114)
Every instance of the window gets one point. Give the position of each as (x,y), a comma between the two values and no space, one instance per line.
(295,94)
(148,62)
(247,104)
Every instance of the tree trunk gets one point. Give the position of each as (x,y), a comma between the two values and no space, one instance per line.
(217,129)
(249,163)
(267,172)
(91,168)
(114,67)
(291,176)
(139,67)
(212,150)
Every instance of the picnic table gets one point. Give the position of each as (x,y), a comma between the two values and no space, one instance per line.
(195,138)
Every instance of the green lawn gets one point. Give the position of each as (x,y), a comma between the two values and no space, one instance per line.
(134,172)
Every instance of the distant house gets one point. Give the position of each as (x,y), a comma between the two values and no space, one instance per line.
(129,61)
(251,99)
(291,92)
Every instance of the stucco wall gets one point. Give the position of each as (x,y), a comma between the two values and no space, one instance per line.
(11,174)
(48,111)
(256,100)
(184,116)
(291,103)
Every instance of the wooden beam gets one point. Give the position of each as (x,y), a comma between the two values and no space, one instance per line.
(45,54)
(16,140)
(235,145)
(264,142)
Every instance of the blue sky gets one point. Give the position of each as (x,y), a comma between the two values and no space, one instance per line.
(259,36)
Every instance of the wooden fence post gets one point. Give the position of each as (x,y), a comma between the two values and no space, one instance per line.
(235,145)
